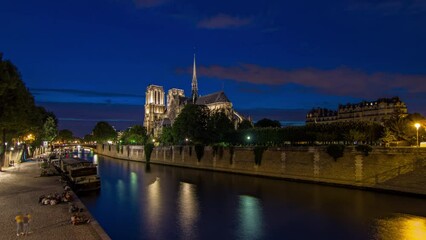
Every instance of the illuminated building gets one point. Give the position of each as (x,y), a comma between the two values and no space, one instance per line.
(158,115)
(376,111)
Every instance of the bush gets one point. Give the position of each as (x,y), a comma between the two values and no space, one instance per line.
(148,150)
(199,151)
(258,153)
(335,150)
(366,149)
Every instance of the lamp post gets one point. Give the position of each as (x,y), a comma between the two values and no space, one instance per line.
(417,125)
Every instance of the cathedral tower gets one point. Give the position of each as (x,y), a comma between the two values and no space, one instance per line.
(194,84)
(154,107)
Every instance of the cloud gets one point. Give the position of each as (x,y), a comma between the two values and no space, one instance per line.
(72,95)
(82,92)
(341,81)
(149,3)
(223,21)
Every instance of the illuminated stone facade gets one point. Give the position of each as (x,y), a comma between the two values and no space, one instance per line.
(376,111)
(158,115)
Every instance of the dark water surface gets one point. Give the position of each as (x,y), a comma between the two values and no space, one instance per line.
(163,202)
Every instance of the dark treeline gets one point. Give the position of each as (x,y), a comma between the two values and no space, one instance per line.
(341,132)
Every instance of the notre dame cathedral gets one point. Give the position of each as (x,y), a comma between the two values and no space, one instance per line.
(158,115)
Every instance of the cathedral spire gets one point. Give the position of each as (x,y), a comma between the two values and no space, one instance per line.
(194,83)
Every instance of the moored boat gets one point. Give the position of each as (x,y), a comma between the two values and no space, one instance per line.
(82,175)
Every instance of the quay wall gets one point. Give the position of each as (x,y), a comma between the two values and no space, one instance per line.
(311,164)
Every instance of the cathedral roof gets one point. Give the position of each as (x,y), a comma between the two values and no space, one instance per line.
(212,98)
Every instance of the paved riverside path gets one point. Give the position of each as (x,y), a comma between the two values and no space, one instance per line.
(20,188)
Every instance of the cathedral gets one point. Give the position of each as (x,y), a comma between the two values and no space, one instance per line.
(159,115)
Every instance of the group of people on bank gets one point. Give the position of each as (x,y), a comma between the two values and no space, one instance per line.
(22,224)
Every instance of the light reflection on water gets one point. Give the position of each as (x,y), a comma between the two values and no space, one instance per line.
(188,210)
(153,209)
(162,202)
(250,218)
(401,227)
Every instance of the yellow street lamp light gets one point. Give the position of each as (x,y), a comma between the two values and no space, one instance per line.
(417,125)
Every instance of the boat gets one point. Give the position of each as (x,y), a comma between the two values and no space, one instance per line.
(81,175)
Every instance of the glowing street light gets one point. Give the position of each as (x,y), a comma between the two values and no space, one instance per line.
(417,125)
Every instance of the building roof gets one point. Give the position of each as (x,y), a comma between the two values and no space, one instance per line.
(212,98)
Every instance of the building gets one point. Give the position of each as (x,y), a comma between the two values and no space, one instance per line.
(376,111)
(158,115)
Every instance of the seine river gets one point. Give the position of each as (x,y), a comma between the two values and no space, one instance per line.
(163,202)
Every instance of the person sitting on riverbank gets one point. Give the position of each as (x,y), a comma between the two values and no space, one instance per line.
(77,219)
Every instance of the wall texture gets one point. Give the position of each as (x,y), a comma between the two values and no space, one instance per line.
(296,163)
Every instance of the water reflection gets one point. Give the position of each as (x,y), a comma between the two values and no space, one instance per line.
(179,203)
(154,208)
(401,227)
(133,185)
(188,210)
(95,159)
(250,218)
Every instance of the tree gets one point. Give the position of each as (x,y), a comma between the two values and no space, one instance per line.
(19,114)
(355,135)
(265,122)
(192,124)
(134,135)
(50,130)
(103,132)
(65,135)
(218,126)
(166,136)
(245,124)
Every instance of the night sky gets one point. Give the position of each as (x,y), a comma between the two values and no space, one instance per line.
(89,61)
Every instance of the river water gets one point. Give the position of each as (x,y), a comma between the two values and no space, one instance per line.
(163,202)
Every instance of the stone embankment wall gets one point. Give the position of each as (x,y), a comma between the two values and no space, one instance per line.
(297,163)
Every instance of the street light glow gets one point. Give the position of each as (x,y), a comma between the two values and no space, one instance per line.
(417,125)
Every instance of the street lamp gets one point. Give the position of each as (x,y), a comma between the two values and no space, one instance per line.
(417,125)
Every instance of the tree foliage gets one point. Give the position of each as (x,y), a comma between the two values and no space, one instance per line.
(265,122)
(50,130)
(103,132)
(19,116)
(192,124)
(134,135)
(65,135)
(245,124)
(167,136)
(219,126)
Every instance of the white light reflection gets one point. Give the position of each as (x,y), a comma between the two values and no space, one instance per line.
(154,208)
(133,185)
(188,210)
(405,227)
(250,218)
(95,159)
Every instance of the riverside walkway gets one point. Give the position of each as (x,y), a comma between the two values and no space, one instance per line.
(20,188)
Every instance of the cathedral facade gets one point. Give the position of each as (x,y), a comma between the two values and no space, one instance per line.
(158,114)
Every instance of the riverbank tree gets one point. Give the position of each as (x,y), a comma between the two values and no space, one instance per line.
(19,116)
(103,132)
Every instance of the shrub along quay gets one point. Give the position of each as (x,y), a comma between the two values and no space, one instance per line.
(387,169)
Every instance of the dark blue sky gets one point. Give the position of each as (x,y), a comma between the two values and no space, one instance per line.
(275,59)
